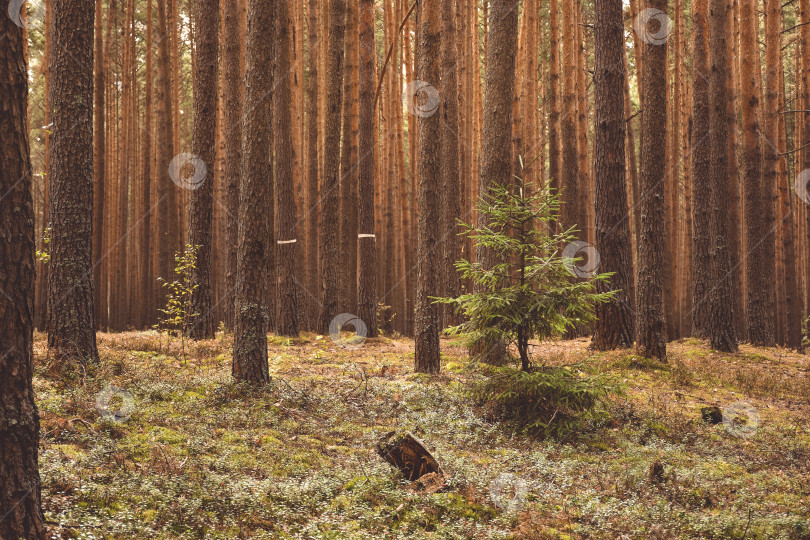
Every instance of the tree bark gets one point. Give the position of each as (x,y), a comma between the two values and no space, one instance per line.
(71,321)
(650,331)
(19,418)
(255,192)
(723,290)
(614,324)
(367,250)
(701,186)
(286,214)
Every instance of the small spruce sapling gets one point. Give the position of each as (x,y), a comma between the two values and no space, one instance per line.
(531,292)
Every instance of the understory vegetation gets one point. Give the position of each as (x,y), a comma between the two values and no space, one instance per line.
(191,454)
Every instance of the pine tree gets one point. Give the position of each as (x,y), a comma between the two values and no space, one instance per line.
(329,258)
(426,322)
(206,15)
(614,325)
(71,322)
(650,331)
(19,437)
(286,219)
(367,242)
(255,192)
(723,289)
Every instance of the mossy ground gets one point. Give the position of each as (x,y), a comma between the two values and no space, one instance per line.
(201,457)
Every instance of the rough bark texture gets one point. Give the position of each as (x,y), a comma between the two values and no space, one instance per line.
(570,173)
(19,420)
(723,288)
(286,229)
(206,14)
(256,189)
(330,187)
(496,139)
(701,187)
(649,300)
(99,155)
(426,321)
(614,325)
(554,157)
(348,167)
(313,160)
(450,192)
(233,66)
(760,269)
(71,323)
(367,243)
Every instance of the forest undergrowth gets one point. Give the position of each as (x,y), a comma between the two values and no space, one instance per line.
(190,454)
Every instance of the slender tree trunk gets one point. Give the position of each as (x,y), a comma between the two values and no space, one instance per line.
(233,61)
(570,173)
(287,314)
(256,190)
(759,230)
(19,437)
(313,159)
(701,186)
(71,323)
(450,193)
(650,331)
(166,238)
(554,156)
(723,290)
(330,188)
(98,155)
(367,267)
(496,163)
(614,325)
(206,17)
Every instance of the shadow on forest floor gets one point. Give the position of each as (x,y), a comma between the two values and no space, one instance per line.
(192,455)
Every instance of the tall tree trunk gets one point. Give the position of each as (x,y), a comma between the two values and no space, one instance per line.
(366,238)
(286,220)
(614,325)
(650,331)
(256,190)
(759,230)
(19,436)
(330,187)
(723,290)
(313,159)
(450,192)
(570,173)
(145,228)
(554,155)
(98,156)
(206,17)
(71,323)
(348,166)
(166,230)
(426,322)
(234,64)
(496,140)
(701,186)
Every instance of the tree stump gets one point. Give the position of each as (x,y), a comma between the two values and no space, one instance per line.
(712,415)
(408,454)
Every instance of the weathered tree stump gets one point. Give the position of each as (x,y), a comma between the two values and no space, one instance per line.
(408,454)
(712,415)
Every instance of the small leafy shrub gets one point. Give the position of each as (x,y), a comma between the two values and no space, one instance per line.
(545,401)
(177,313)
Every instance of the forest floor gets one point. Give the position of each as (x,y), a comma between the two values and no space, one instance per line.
(194,455)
